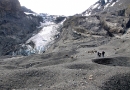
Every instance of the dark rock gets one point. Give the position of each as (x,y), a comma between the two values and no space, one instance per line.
(128,24)
(102,2)
(15,26)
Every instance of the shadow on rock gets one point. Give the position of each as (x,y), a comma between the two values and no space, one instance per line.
(81,66)
(116,61)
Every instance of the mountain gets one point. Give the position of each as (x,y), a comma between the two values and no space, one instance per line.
(108,10)
(106,6)
(15,26)
(72,61)
(103,19)
(99,23)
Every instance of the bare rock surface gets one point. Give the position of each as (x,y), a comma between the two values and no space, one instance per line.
(15,26)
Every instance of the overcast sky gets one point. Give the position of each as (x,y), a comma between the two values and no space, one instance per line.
(58,7)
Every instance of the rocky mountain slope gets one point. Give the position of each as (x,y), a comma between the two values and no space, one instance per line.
(113,15)
(15,26)
(98,27)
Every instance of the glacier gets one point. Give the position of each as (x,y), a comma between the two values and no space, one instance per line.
(41,41)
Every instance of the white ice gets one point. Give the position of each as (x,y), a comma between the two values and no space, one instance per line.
(44,38)
(113,4)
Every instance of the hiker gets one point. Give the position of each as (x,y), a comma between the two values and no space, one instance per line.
(103,53)
(99,54)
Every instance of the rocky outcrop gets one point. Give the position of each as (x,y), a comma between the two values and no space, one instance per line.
(10,7)
(85,25)
(15,26)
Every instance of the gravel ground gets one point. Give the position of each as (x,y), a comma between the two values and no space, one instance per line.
(69,67)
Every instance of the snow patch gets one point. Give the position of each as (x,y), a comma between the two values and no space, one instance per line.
(34,14)
(108,4)
(113,4)
(95,6)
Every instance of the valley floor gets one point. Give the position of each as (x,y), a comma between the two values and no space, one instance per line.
(77,68)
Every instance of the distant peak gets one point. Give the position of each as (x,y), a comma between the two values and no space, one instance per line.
(99,6)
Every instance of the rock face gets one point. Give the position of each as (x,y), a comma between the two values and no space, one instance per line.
(113,14)
(15,26)
(10,5)
(96,25)
(103,18)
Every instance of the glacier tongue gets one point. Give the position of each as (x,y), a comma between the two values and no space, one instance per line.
(44,38)
(40,42)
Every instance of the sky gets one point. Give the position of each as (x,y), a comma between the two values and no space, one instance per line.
(58,7)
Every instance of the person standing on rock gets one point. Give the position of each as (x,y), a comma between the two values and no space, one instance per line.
(103,53)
